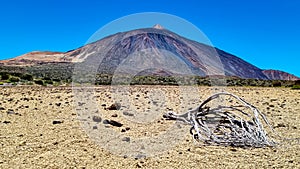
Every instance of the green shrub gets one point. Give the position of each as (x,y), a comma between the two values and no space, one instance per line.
(14,79)
(4,76)
(56,84)
(29,83)
(47,78)
(49,82)
(56,80)
(276,84)
(1,83)
(296,87)
(27,77)
(39,82)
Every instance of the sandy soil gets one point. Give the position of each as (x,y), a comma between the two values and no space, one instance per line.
(39,128)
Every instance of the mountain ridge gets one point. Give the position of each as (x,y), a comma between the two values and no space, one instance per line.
(120,46)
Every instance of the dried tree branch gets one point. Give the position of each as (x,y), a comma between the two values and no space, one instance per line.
(225,125)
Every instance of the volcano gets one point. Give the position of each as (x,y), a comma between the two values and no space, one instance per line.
(152,50)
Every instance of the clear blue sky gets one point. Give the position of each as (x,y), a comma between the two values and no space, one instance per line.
(264,33)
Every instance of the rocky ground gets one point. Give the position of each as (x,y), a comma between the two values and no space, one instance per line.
(40,128)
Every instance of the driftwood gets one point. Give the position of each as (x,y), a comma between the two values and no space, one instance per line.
(238,124)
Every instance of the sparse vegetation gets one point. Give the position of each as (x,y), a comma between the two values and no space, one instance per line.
(276,84)
(60,73)
(39,82)
(296,87)
(14,79)
(27,77)
(4,76)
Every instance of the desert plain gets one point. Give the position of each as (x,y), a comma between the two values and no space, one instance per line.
(40,127)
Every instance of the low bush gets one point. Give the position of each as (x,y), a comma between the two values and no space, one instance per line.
(296,87)
(4,76)
(39,82)
(27,77)
(276,84)
(49,82)
(14,79)
(29,83)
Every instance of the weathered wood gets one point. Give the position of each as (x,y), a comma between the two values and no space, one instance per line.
(226,125)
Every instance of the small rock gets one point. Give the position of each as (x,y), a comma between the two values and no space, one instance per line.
(123,130)
(155,103)
(2,108)
(97,119)
(127,113)
(80,103)
(58,104)
(127,128)
(139,156)
(10,111)
(114,115)
(6,122)
(169,109)
(127,139)
(115,123)
(56,122)
(280,125)
(115,106)
(105,121)
(282,105)
(233,149)
(95,127)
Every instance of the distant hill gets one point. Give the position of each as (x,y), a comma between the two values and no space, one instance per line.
(279,75)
